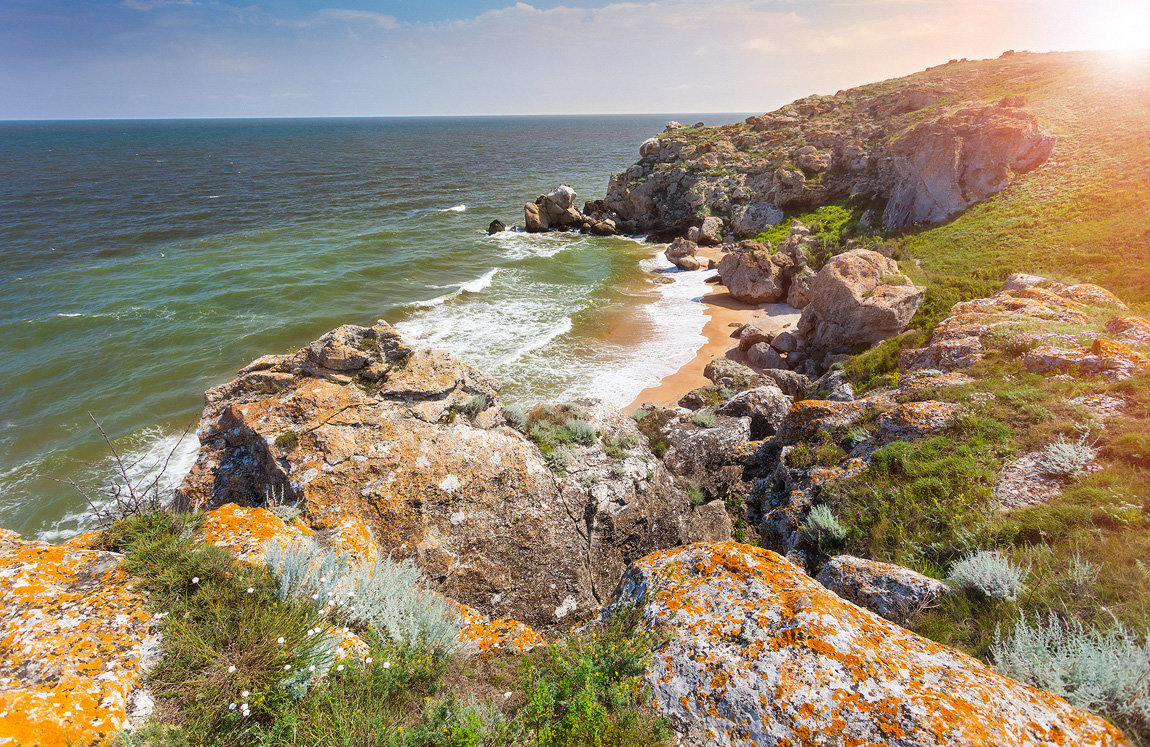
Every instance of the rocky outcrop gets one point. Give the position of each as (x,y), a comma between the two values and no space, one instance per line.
(681,253)
(556,211)
(759,653)
(75,638)
(952,161)
(890,591)
(858,298)
(913,146)
(750,274)
(356,427)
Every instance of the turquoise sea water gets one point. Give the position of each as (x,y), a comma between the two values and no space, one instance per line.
(142,262)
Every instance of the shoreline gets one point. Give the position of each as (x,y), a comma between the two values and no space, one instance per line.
(724,313)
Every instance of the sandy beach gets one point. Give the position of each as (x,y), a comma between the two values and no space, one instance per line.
(724,314)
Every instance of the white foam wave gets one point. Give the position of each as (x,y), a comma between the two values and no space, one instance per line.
(478,285)
(674,325)
(558,330)
(454,209)
(518,244)
(70,316)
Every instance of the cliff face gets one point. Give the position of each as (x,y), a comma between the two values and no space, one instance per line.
(925,147)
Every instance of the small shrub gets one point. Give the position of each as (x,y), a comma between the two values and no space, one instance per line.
(988,573)
(287,440)
(695,494)
(557,460)
(704,419)
(1066,458)
(582,432)
(822,528)
(475,405)
(828,455)
(515,417)
(800,456)
(639,414)
(1104,672)
(616,446)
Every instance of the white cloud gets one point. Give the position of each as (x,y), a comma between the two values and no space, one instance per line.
(153,4)
(366,17)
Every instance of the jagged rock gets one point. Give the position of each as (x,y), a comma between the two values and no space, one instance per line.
(759,653)
(891,591)
(950,162)
(1094,295)
(799,291)
(765,406)
(812,160)
(711,232)
(750,334)
(533,219)
(761,354)
(858,297)
(748,221)
(786,342)
(697,399)
(649,148)
(503,634)
(725,373)
(496,226)
(681,253)
(751,275)
(1107,358)
(792,383)
(75,638)
(708,456)
(836,386)
(417,452)
(1133,328)
(810,416)
(1021,281)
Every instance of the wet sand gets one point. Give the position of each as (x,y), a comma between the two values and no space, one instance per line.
(724,314)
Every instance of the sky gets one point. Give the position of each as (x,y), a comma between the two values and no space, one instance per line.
(264,58)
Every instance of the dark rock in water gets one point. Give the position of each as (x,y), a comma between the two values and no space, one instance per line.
(496,226)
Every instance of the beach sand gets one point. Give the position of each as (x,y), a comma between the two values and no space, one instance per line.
(724,314)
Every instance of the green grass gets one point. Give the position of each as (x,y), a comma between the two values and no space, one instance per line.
(832,224)
(228,639)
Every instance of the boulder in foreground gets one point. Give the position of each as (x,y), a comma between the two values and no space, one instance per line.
(759,653)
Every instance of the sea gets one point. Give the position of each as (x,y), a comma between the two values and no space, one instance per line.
(144,261)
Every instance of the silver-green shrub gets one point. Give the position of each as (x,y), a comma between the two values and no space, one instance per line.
(515,417)
(1104,672)
(475,405)
(704,419)
(1066,458)
(386,596)
(822,528)
(989,573)
(582,432)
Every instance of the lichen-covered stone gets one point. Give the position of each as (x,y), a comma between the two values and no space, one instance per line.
(911,420)
(497,635)
(810,416)
(75,637)
(1094,295)
(1133,328)
(759,653)
(888,590)
(395,455)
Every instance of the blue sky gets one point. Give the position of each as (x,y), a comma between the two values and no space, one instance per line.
(211,58)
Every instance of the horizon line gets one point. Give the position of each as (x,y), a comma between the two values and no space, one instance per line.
(355,116)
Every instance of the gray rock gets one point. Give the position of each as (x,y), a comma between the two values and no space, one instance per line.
(766,406)
(748,221)
(649,148)
(793,384)
(728,374)
(711,232)
(785,342)
(894,592)
(751,275)
(761,354)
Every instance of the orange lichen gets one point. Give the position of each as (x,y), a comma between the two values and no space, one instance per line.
(74,638)
(1092,294)
(246,531)
(502,634)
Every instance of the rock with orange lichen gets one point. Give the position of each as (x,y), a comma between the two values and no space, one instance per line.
(74,641)
(760,653)
(245,531)
(1111,360)
(1093,295)
(810,416)
(911,420)
(1133,328)
(888,590)
(383,448)
(503,634)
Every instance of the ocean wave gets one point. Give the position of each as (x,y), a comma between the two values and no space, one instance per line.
(558,330)
(518,244)
(478,285)
(454,209)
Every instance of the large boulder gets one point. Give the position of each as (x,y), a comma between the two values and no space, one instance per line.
(75,638)
(415,447)
(748,221)
(533,219)
(757,652)
(711,231)
(681,253)
(725,373)
(858,298)
(888,590)
(764,406)
(950,162)
(751,275)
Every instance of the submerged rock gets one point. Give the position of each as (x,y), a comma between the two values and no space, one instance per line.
(759,653)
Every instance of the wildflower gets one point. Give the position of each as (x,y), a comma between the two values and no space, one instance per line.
(280,640)
(251,590)
(507,694)
(315,596)
(244,694)
(310,632)
(232,668)
(311,668)
(287,667)
(339,668)
(367,660)
(195,579)
(387,665)
(232,707)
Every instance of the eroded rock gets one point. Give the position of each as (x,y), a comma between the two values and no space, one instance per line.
(890,591)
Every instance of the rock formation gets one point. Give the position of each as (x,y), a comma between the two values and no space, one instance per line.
(357,427)
(759,653)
